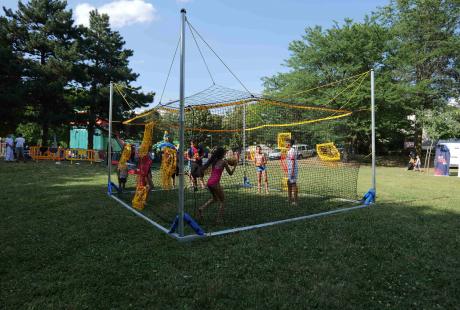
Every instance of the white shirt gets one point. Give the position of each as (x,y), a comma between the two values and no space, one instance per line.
(291,158)
(292,154)
(20,142)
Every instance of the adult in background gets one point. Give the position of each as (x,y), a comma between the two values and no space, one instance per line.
(20,141)
(9,155)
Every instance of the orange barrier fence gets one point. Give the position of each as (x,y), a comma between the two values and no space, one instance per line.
(46,153)
(82,155)
(50,153)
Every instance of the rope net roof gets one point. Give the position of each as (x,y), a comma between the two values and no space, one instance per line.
(223,101)
(212,95)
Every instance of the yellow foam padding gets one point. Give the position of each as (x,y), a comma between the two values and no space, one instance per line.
(328,151)
(168,167)
(146,140)
(125,155)
(140,197)
(284,184)
(282,137)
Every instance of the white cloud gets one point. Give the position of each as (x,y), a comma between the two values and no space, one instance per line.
(122,12)
(82,13)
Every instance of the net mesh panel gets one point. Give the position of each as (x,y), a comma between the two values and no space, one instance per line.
(217,116)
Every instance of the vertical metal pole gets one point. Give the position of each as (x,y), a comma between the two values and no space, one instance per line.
(373,129)
(181,125)
(109,151)
(245,180)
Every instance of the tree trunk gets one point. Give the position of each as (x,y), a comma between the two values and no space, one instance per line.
(90,129)
(45,133)
(418,138)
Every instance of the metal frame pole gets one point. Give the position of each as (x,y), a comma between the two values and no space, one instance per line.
(109,151)
(244,144)
(181,125)
(373,130)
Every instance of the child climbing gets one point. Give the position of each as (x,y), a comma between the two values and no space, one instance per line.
(260,161)
(218,164)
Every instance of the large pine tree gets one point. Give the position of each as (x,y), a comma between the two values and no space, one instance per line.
(44,36)
(11,86)
(104,59)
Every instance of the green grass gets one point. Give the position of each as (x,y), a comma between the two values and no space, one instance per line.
(65,244)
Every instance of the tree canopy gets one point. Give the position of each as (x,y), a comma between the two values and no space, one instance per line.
(413,46)
(58,73)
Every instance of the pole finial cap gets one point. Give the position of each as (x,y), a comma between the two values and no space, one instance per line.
(183,11)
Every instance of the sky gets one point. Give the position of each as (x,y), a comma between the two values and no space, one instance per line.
(251,36)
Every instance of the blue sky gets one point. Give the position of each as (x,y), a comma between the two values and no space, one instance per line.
(251,36)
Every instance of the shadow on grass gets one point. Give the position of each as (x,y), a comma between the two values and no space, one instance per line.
(76,248)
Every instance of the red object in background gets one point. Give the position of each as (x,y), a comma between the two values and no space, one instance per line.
(283,163)
(144,169)
(133,171)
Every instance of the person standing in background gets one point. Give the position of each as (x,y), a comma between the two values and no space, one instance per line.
(20,141)
(9,155)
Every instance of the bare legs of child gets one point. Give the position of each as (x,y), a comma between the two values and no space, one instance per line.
(260,175)
(292,193)
(217,196)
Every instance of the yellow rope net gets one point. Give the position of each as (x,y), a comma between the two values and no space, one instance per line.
(168,167)
(142,188)
(217,98)
(125,155)
(328,151)
(140,197)
(146,140)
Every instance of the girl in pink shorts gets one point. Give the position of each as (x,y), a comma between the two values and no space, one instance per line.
(218,164)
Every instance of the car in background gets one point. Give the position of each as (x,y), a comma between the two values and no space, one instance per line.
(304,151)
(275,154)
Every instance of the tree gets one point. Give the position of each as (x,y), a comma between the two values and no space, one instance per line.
(325,56)
(440,123)
(423,47)
(103,60)
(11,86)
(44,37)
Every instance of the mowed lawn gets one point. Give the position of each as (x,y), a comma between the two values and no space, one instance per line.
(65,244)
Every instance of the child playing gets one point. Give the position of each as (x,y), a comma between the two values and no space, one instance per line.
(195,156)
(291,163)
(218,164)
(260,161)
(417,163)
(122,172)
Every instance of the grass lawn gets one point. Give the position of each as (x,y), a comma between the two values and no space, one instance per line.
(65,244)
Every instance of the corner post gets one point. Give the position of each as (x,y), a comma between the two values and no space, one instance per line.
(245,180)
(109,149)
(181,125)
(373,130)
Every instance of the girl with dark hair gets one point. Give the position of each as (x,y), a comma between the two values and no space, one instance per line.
(218,164)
